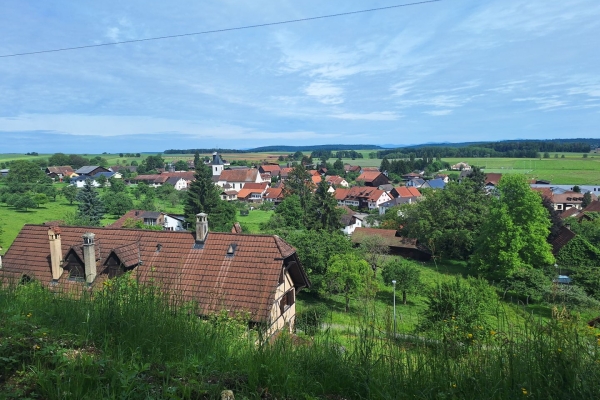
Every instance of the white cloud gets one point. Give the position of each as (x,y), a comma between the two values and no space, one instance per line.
(374,116)
(544,103)
(325,92)
(438,113)
(113,33)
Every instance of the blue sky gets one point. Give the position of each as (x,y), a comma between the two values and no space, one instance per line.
(450,71)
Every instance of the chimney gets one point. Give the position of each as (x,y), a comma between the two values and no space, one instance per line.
(89,257)
(201,228)
(55,252)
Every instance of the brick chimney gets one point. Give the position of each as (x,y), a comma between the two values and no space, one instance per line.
(89,257)
(56,256)
(201,228)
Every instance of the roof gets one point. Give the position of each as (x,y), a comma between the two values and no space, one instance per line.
(564,236)
(62,170)
(273,193)
(270,168)
(239,175)
(137,215)
(256,186)
(370,176)
(351,168)
(340,194)
(244,282)
(594,206)
(216,160)
(334,179)
(492,178)
(567,197)
(407,191)
(87,169)
(437,183)
(316,179)
(571,212)
(360,192)
(390,237)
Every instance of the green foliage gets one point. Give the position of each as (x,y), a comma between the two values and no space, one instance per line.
(91,207)
(70,193)
(459,308)
(405,273)
(116,185)
(579,252)
(347,275)
(117,203)
(325,212)
(446,222)
(181,165)
(587,199)
(203,196)
(310,319)
(24,175)
(528,285)
(288,214)
(102,181)
(315,249)
(23,202)
(40,199)
(514,232)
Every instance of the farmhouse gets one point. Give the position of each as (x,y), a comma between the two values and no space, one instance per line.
(373,178)
(405,247)
(361,197)
(254,274)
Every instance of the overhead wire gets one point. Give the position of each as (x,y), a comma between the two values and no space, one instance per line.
(216,30)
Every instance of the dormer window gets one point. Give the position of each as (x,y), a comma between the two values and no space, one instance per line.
(231,249)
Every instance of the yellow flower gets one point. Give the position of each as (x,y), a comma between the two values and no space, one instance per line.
(36,347)
(492,333)
(470,336)
(454,385)
(524,391)
(28,315)
(559,350)
(453,317)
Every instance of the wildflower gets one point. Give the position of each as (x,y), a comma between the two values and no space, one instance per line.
(453,317)
(559,350)
(524,391)
(454,385)
(29,315)
(44,334)
(36,347)
(470,336)
(492,332)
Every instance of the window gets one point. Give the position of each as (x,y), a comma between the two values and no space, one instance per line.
(287,300)
(76,272)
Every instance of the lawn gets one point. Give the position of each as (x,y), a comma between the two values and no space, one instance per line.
(251,223)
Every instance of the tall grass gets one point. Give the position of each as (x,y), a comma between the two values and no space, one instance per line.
(131,341)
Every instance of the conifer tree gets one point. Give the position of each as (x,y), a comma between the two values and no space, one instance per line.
(326,212)
(91,208)
(203,196)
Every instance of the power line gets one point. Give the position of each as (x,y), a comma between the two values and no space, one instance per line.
(217,30)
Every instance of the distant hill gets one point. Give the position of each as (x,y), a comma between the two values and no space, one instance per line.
(285,149)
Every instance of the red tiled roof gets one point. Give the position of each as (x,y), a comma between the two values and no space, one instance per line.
(571,212)
(407,191)
(271,168)
(351,168)
(564,236)
(137,215)
(544,192)
(65,170)
(316,179)
(273,193)
(368,176)
(493,178)
(594,206)
(239,175)
(334,179)
(364,192)
(244,282)
(340,194)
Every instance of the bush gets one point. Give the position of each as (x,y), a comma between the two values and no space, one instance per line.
(310,319)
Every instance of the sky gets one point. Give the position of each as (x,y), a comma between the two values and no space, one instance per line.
(446,71)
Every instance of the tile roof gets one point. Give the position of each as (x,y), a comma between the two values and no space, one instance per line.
(594,206)
(274,193)
(564,236)
(334,179)
(273,169)
(571,212)
(364,192)
(316,179)
(239,175)
(492,178)
(257,186)
(369,176)
(137,215)
(65,170)
(340,194)
(245,281)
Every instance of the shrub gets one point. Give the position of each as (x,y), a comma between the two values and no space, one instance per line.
(311,318)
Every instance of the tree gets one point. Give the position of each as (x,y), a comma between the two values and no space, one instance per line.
(25,173)
(326,213)
(513,234)
(148,202)
(338,165)
(70,193)
(446,222)
(374,249)
(546,155)
(587,199)
(118,203)
(58,159)
(40,199)
(116,185)
(289,214)
(181,166)
(406,275)
(347,275)
(102,180)
(385,165)
(576,189)
(203,196)
(23,202)
(91,207)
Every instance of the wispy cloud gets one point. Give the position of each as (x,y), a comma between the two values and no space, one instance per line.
(438,113)
(544,103)
(373,116)
(325,92)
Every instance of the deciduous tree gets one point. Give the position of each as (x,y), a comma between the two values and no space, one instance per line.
(406,275)
(347,275)
(70,193)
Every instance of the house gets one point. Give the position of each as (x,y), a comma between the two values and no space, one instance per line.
(253,192)
(437,183)
(274,195)
(181,180)
(237,178)
(443,177)
(169,222)
(361,197)
(91,170)
(415,182)
(461,166)
(79,181)
(351,168)
(285,172)
(228,194)
(398,245)
(254,275)
(373,178)
(271,169)
(383,207)
(349,221)
(567,200)
(4,172)
(337,181)
(491,181)
(217,164)
(61,172)
(411,175)
(405,191)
